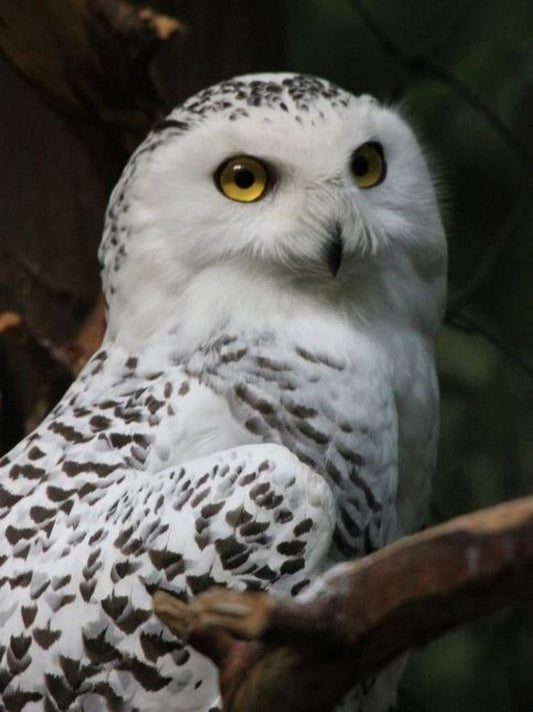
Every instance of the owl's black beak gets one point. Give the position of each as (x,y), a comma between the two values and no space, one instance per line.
(333,250)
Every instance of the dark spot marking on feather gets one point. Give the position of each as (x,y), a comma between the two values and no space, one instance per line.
(72,469)
(68,433)
(200,496)
(47,528)
(259,489)
(153,404)
(303,527)
(346,549)
(61,581)
(17,700)
(237,517)
(63,601)
(283,516)
(371,501)
(87,590)
(270,500)
(23,552)
(28,614)
(163,559)
(253,528)
(247,479)
(35,453)
(197,584)
(268,363)
(58,494)
(351,527)
(38,592)
(45,637)
(209,510)
(291,566)
(118,440)
(291,548)
(234,356)
(109,403)
(114,606)
(5,679)
(350,456)
(256,426)
(154,645)
(98,649)
(87,488)
(29,472)
(184,388)
(300,411)
(333,472)
(8,499)
(312,433)
(41,514)
(131,620)
(13,534)
(146,675)
(295,590)
(99,422)
(244,394)
(100,534)
(265,573)
(319,359)
(115,703)
(19,645)
(124,568)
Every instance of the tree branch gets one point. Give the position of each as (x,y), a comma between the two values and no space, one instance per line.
(90,58)
(306,654)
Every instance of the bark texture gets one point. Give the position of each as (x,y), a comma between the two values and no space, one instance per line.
(305,655)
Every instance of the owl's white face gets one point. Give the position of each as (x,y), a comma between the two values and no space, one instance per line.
(288,177)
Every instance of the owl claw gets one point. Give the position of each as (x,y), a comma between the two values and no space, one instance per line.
(244,614)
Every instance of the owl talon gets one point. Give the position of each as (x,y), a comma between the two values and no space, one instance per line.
(244,614)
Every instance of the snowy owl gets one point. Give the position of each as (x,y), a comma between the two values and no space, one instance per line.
(264,403)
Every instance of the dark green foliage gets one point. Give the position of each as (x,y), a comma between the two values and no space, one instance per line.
(462,71)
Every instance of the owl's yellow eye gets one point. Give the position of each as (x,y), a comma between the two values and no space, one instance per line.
(242,178)
(368,165)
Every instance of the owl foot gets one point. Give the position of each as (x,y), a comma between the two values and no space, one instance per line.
(244,614)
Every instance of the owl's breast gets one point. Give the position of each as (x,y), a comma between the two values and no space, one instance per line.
(337,414)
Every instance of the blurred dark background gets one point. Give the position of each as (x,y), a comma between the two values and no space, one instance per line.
(460,70)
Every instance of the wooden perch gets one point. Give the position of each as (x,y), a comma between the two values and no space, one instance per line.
(306,654)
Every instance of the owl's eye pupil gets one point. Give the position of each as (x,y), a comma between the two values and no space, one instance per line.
(244,178)
(368,165)
(360,166)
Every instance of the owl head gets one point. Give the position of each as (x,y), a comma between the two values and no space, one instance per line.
(269,188)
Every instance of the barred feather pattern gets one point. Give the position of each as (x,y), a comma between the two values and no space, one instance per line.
(96,520)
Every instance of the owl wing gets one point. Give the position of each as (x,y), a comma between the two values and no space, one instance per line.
(77,618)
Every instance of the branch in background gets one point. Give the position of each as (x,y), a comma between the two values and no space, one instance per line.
(423,65)
(90,58)
(502,237)
(305,655)
(88,338)
(470,325)
(55,366)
